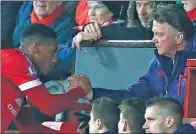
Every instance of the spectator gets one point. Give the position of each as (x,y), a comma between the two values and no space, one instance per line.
(101,12)
(82,13)
(165,115)
(56,15)
(131,116)
(82,17)
(139,12)
(137,26)
(104,116)
(190,7)
(104,11)
(172,29)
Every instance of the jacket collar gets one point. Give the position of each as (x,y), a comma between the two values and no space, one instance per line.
(171,70)
(112,131)
(185,128)
(191,44)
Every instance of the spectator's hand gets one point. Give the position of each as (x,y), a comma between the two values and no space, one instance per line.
(79,81)
(94,30)
(81,36)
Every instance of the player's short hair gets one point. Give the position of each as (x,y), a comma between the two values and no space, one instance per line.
(37,32)
(133,110)
(172,105)
(106,108)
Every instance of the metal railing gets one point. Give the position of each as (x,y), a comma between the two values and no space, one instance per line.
(120,43)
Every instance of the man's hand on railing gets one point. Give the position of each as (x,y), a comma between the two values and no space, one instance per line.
(83,82)
(91,32)
(94,30)
(81,36)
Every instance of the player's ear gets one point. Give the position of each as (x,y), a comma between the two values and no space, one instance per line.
(36,48)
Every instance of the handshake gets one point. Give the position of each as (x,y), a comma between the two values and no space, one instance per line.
(82,81)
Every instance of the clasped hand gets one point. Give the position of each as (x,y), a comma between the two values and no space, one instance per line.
(80,80)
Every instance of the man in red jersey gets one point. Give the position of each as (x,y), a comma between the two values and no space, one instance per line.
(20,66)
(23,116)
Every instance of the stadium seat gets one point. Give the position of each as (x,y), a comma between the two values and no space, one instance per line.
(190,93)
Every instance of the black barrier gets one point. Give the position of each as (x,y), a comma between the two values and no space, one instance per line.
(114,64)
(120,44)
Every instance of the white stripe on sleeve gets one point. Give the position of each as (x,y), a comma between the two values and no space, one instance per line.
(53,125)
(30,84)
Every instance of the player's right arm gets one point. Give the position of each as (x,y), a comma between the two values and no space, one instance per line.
(18,70)
(30,125)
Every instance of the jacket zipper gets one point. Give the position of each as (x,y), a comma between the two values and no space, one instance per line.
(166,86)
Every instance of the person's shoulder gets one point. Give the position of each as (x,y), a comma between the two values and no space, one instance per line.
(63,24)
(154,63)
(9,52)
(26,6)
(24,12)
(66,19)
(19,29)
(185,128)
(13,56)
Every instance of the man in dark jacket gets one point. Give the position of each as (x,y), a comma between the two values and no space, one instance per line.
(172,29)
(165,115)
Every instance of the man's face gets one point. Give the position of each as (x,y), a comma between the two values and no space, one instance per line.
(98,12)
(189,5)
(93,128)
(45,57)
(155,121)
(144,10)
(45,8)
(164,39)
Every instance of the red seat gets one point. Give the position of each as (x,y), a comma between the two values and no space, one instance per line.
(190,93)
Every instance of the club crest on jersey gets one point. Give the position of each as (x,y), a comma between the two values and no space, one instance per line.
(32,71)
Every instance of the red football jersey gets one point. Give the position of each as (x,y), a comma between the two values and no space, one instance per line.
(11,103)
(18,69)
